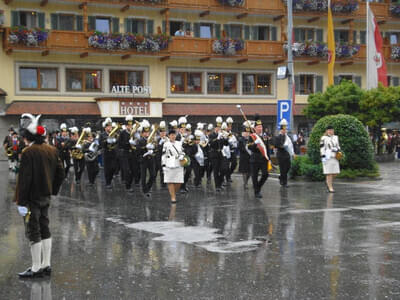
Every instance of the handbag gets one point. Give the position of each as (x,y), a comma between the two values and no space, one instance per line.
(339,155)
(186,159)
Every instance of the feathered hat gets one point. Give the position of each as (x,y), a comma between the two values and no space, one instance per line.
(198,134)
(33,125)
(229,120)
(174,124)
(163,126)
(219,121)
(182,122)
(145,125)
(257,120)
(210,127)
(107,122)
(247,126)
(224,126)
(129,119)
(188,127)
(200,126)
(63,127)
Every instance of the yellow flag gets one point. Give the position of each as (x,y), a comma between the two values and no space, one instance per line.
(331,47)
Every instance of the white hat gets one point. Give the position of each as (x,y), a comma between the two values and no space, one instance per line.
(200,126)
(145,125)
(129,118)
(87,130)
(123,127)
(229,120)
(63,127)
(74,129)
(174,124)
(182,121)
(224,126)
(34,127)
(188,127)
(210,127)
(219,121)
(198,133)
(107,122)
(283,122)
(162,125)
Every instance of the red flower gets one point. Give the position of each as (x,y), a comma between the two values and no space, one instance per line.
(40,130)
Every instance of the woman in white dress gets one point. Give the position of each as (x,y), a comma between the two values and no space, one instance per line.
(329,147)
(172,156)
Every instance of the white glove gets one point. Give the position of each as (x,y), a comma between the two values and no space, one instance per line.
(22,210)
(219,136)
(79,146)
(257,141)
(110,140)
(161,142)
(150,146)
(324,159)
(132,142)
(148,153)
(181,157)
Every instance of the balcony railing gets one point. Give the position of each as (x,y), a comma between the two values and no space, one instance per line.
(78,42)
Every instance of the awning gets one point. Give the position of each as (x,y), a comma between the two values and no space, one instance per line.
(3,92)
(53,108)
(175,109)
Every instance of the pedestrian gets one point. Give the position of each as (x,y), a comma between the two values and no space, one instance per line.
(285,152)
(329,147)
(40,176)
(171,162)
(244,158)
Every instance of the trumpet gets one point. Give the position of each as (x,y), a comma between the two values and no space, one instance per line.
(134,128)
(78,153)
(9,152)
(112,134)
(152,135)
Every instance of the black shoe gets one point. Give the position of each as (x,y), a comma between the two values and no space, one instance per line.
(148,195)
(218,190)
(78,182)
(108,187)
(46,271)
(30,274)
(130,190)
(258,195)
(230,180)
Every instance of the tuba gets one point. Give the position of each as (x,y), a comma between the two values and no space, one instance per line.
(78,153)
(93,152)
(152,135)
(9,152)
(114,134)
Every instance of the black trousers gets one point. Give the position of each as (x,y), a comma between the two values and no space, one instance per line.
(208,168)
(220,167)
(198,172)
(79,167)
(159,169)
(147,166)
(92,170)
(37,228)
(110,165)
(130,167)
(284,167)
(66,159)
(256,167)
(232,165)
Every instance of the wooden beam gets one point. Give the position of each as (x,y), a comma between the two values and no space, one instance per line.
(314,62)
(126,56)
(125,8)
(242,60)
(163,11)
(9,51)
(346,63)
(204,13)
(44,3)
(381,22)
(313,19)
(82,5)
(204,59)
(347,21)
(45,52)
(278,18)
(241,16)
(7,1)
(277,62)
(84,54)
(164,58)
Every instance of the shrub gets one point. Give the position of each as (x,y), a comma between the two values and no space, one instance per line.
(353,138)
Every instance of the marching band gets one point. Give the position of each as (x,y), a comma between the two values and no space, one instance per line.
(134,151)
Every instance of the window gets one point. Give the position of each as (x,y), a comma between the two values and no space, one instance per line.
(221,83)
(68,22)
(206,30)
(260,33)
(131,78)
(393,37)
(235,31)
(174,27)
(83,80)
(103,24)
(257,84)
(29,19)
(306,84)
(393,80)
(342,36)
(356,79)
(186,83)
(38,78)
(135,26)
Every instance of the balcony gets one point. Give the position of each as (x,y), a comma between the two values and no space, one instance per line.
(78,42)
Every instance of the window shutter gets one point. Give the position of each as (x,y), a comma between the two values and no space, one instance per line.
(336,36)
(150,26)
(14,18)
(363,37)
(218,31)
(247,32)
(319,84)
(297,83)
(92,23)
(115,25)
(196,30)
(187,26)
(254,33)
(79,23)
(297,37)
(54,21)
(357,80)
(128,25)
(336,80)
(227,30)
(41,20)
(395,81)
(320,35)
(354,37)
(164,27)
(273,33)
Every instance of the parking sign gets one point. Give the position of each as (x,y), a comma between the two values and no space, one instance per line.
(284,111)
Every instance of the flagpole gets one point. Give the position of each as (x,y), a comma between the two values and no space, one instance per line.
(367,35)
(290,58)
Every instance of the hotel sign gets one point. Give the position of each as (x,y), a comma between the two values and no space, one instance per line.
(128,89)
(135,108)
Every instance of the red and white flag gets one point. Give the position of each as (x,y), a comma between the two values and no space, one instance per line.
(376,65)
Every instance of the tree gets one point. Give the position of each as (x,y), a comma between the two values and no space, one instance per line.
(379,106)
(343,98)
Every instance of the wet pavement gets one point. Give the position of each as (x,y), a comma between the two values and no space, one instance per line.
(296,243)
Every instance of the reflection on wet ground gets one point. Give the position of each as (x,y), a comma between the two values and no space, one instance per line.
(296,243)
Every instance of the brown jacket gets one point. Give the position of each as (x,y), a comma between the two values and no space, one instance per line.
(40,175)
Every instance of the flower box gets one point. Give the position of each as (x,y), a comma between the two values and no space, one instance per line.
(227,47)
(395,10)
(346,50)
(338,6)
(127,41)
(27,37)
(395,53)
(344,6)
(318,49)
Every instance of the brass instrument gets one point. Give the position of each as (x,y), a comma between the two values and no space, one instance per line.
(152,134)
(93,152)
(78,153)
(113,134)
(134,128)
(10,152)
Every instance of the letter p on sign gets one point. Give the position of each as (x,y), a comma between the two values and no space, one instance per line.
(284,109)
